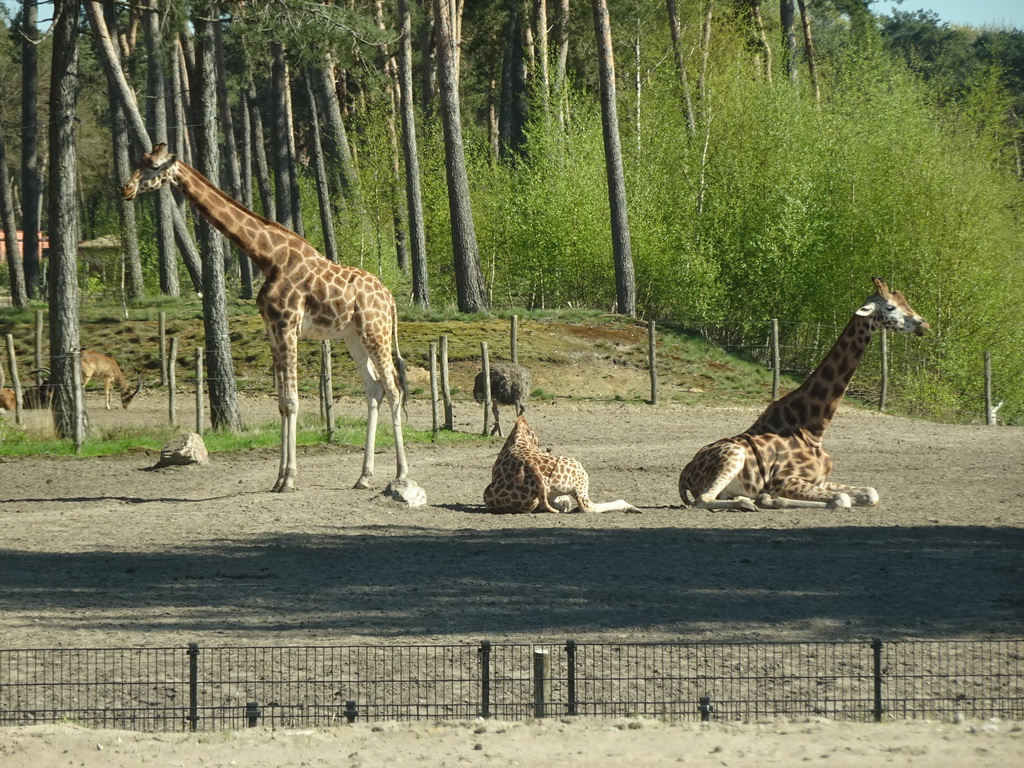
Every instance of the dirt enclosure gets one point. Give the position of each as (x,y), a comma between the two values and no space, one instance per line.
(107,552)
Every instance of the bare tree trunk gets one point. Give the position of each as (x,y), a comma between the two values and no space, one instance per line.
(563,56)
(469,281)
(179,136)
(19,297)
(705,52)
(334,129)
(227,127)
(812,68)
(245,193)
(131,257)
(762,39)
(320,169)
(512,100)
(413,193)
(400,216)
(31,181)
(224,413)
(137,129)
(789,51)
(625,280)
(157,125)
(428,58)
(65,373)
(541,23)
(680,59)
(279,140)
(259,157)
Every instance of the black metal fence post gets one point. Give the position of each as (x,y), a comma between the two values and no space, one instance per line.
(572,705)
(485,678)
(351,711)
(876,647)
(193,686)
(252,713)
(705,707)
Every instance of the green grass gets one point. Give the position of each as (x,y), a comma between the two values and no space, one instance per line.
(311,432)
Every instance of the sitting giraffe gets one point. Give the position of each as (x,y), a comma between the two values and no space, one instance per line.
(528,479)
(780,460)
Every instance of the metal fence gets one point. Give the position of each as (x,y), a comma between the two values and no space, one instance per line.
(218,688)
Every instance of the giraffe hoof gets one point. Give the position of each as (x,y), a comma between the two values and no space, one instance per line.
(362,484)
(840,501)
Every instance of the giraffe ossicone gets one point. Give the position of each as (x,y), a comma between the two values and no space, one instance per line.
(526,478)
(304,294)
(780,463)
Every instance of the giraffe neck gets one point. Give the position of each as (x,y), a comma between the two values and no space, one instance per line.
(812,405)
(265,242)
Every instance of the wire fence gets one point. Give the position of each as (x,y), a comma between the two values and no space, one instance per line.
(192,688)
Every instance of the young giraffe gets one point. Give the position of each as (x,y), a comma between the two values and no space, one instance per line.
(303,294)
(527,479)
(780,460)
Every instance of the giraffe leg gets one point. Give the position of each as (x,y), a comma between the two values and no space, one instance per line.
(859,496)
(285,363)
(726,461)
(798,493)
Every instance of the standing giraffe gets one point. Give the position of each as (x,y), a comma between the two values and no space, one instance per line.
(303,294)
(780,460)
(526,478)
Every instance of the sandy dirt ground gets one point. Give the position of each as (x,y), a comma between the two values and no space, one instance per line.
(108,552)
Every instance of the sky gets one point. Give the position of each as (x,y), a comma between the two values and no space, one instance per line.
(977,13)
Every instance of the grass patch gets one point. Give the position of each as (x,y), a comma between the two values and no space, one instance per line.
(311,432)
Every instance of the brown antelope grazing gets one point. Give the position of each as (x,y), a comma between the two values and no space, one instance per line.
(7,401)
(106,369)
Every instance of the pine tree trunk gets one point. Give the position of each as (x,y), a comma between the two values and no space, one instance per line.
(157,125)
(135,285)
(428,58)
(469,283)
(245,196)
(413,193)
(336,138)
(31,182)
(812,67)
(680,59)
(65,372)
(224,413)
(563,57)
(789,50)
(625,280)
(16,273)
(323,191)
(259,157)
(137,129)
(279,140)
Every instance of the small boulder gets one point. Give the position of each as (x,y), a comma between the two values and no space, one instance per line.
(406,492)
(186,449)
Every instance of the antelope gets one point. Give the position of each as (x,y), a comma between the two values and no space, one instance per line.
(106,370)
(7,398)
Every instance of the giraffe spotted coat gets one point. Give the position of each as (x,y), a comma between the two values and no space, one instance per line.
(526,478)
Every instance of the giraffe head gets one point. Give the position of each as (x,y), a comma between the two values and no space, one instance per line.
(157,168)
(888,309)
(522,434)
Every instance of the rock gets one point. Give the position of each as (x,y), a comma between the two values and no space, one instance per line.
(188,448)
(407,492)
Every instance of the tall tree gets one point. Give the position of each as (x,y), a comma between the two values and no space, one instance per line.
(323,191)
(261,166)
(19,297)
(65,371)
(812,66)
(469,281)
(625,279)
(787,19)
(224,413)
(413,192)
(280,85)
(31,179)
(156,123)
(680,59)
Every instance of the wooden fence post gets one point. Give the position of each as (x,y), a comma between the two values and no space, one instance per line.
(39,346)
(199,391)
(653,360)
(541,681)
(513,341)
(776,358)
(433,390)
(12,366)
(486,366)
(446,391)
(883,395)
(162,318)
(327,387)
(172,386)
(990,415)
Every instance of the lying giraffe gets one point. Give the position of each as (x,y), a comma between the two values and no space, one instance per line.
(780,460)
(528,479)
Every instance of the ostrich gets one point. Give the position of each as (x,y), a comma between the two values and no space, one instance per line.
(510,385)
